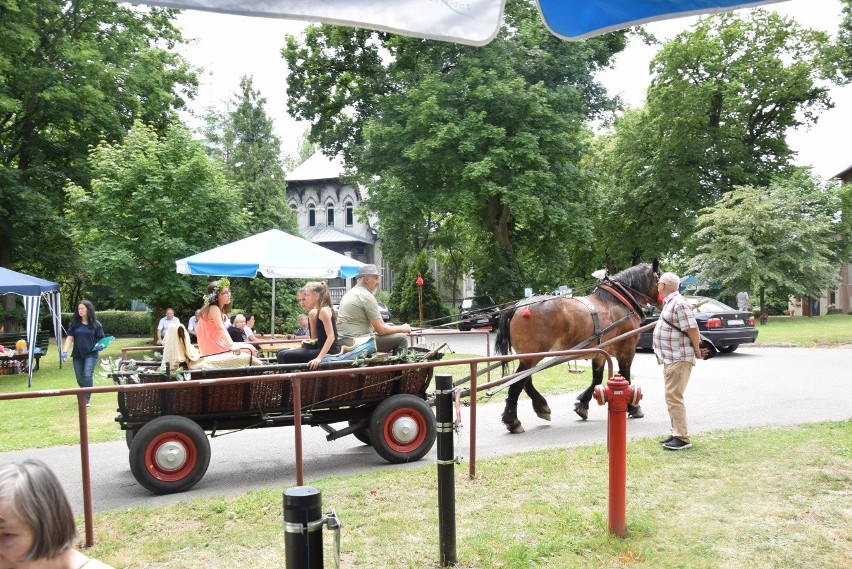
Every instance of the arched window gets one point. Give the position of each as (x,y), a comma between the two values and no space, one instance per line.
(312,215)
(350,214)
(329,215)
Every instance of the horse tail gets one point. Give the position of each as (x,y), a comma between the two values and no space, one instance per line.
(503,342)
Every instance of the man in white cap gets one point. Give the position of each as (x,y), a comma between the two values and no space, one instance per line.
(358,315)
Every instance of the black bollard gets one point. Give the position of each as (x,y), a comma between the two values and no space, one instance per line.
(303,522)
(446,469)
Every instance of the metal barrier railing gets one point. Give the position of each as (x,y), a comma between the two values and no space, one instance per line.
(296,378)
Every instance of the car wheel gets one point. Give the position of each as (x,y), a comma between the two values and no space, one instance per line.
(169,454)
(729,349)
(464,327)
(402,429)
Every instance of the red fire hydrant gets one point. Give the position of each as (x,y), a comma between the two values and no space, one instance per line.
(619,394)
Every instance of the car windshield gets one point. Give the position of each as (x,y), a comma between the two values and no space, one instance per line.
(707,305)
(478,302)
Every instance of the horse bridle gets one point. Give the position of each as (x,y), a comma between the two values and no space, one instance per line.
(627,295)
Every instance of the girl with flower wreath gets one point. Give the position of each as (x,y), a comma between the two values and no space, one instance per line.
(213,337)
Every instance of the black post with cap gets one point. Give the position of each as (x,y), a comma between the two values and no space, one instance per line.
(446,469)
(303,522)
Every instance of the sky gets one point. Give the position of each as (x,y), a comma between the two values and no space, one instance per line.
(228,47)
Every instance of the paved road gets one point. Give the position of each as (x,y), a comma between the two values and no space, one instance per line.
(751,387)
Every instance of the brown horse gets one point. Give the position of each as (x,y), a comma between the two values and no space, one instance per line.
(543,323)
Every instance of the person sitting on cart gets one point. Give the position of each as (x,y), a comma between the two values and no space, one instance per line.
(237,330)
(324,339)
(303,329)
(213,337)
(359,315)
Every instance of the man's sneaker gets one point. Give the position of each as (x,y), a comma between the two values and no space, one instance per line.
(677,444)
(668,440)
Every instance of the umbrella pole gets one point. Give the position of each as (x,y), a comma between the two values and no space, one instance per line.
(272,316)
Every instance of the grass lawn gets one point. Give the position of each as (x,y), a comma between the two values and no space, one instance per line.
(761,498)
(808,332)
(773,497)
(50,421)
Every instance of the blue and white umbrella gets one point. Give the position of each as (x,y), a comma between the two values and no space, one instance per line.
(274,254)
(473,22)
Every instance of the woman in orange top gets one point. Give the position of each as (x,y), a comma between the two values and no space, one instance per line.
(213,337)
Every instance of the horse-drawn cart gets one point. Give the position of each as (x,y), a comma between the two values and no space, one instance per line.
(166,427)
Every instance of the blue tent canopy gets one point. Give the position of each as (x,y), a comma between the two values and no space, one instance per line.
(32,289)
(580,19)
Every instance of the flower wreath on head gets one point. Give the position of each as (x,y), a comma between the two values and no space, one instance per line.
(213,297)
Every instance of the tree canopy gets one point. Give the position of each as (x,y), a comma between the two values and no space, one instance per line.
(492,135)
(786,238)
(72,74)
(154,199)
(723,97)
(243,138)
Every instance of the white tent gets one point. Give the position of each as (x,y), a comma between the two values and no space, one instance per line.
(274,254)
(32,289)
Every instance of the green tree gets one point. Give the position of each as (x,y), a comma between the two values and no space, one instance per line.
(243,137)
(723,97)
(406,295)
(72,73)
(844,40)
(491,134)
(784,237)
(154,199)
(634,219)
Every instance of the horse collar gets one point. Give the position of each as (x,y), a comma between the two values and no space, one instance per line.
(618,290)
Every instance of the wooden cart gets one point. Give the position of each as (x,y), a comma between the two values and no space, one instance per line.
(167,428)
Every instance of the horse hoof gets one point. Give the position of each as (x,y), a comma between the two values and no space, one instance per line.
(515,427)
(581,410)
(635,411)
(543,411)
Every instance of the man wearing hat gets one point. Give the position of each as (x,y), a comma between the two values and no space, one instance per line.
(358,315)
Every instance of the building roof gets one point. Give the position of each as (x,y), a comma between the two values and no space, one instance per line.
(317,167)
(844,174)
(320,234)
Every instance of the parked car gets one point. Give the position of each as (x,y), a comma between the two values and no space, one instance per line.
(726,327)
(384,311)
(478,312)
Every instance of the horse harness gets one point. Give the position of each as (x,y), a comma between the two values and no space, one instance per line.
(624,296)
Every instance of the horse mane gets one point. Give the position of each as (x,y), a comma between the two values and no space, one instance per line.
(635,277)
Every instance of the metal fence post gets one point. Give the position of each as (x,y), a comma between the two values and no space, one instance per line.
(446,469)
(303,521)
